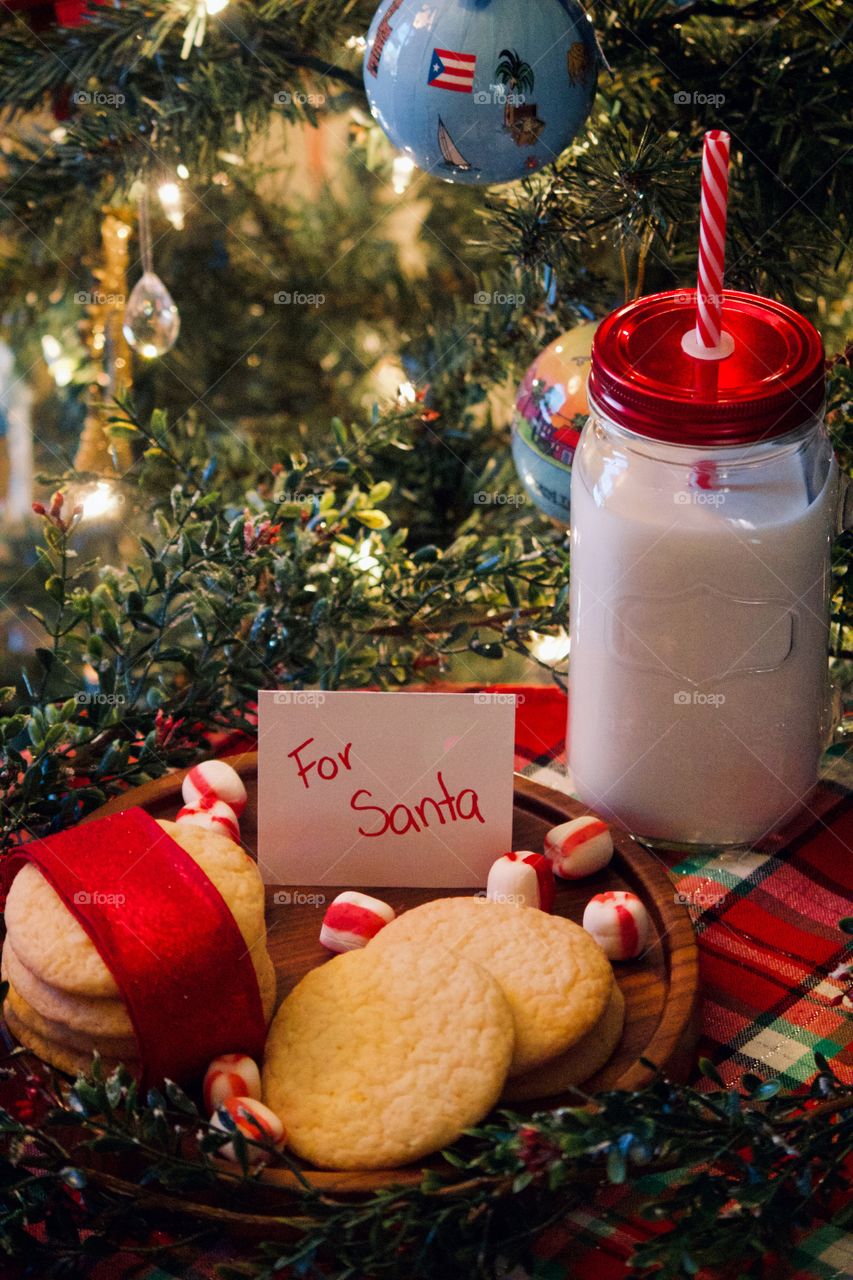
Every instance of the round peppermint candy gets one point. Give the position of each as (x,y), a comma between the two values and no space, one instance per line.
(580,847)
(214,780)
(619,923)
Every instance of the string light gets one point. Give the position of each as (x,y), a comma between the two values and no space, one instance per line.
(406,393)
(361,558)
(172,202)
(100,502)
(197,25)
(401,173)
(550,649)
(61,367)
(182,172)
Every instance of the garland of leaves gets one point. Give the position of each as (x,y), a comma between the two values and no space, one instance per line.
(243,574)
(731,1178)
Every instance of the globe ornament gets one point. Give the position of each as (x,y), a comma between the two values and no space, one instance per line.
(480,91)
(546,426)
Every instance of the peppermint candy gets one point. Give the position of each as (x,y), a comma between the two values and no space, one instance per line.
(619,923)
(231,1075)
(523,880)
(352,919)
(580,847)
(213,780)
(220,817)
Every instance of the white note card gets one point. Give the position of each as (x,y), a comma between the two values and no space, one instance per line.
(359,790)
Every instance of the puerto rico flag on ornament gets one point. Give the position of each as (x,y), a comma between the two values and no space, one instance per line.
(449,70)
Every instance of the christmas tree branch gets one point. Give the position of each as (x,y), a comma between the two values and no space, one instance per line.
(744,1171)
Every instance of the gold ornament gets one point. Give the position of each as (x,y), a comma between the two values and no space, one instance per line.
(108,348)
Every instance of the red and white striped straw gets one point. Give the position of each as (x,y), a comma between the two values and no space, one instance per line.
(712,239)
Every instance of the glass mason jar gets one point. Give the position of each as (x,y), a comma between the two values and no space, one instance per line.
(704,503)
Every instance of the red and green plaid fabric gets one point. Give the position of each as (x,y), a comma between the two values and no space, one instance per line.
(775,972)
(774,963)
(775,983)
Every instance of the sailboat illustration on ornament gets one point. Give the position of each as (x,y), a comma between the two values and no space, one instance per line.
(453,157)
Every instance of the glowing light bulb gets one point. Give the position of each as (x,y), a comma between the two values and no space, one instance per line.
(182,172)
(550,649)
(401,173)
(172,202)
(61,366)
(100,502)
(406,393)
(62,371)
(361,558)
(215,6)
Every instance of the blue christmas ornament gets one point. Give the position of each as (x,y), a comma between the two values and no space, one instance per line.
(481,91)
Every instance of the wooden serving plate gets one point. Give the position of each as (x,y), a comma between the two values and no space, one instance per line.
(660,988)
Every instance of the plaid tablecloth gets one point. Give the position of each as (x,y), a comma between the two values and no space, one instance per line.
(775,972)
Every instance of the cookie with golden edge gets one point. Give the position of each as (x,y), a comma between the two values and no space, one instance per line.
(54,947)
(379,1058)
(70,1060)
(554,975)
(92,1015)
(577,1064)
(118,1047)
(66,1002)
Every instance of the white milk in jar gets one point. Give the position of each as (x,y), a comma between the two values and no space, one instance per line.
(703,506)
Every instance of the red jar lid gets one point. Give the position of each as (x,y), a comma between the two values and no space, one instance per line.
(773,381)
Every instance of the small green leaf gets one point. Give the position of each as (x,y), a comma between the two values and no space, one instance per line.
(179,1099)
(486,566)
(708,1069)
(372,519)
(616,1167)
(340,432)
(110,627)
(491,651)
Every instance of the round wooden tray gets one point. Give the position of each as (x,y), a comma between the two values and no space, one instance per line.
(660,988)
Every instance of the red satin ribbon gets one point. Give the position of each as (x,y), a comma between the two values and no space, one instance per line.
(166,935)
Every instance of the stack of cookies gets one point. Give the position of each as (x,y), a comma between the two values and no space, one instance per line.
(387,1054)
(63,1002)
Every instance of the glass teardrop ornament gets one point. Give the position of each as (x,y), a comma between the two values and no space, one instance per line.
(151,319)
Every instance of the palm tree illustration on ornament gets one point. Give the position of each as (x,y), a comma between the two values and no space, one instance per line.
(520,117)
